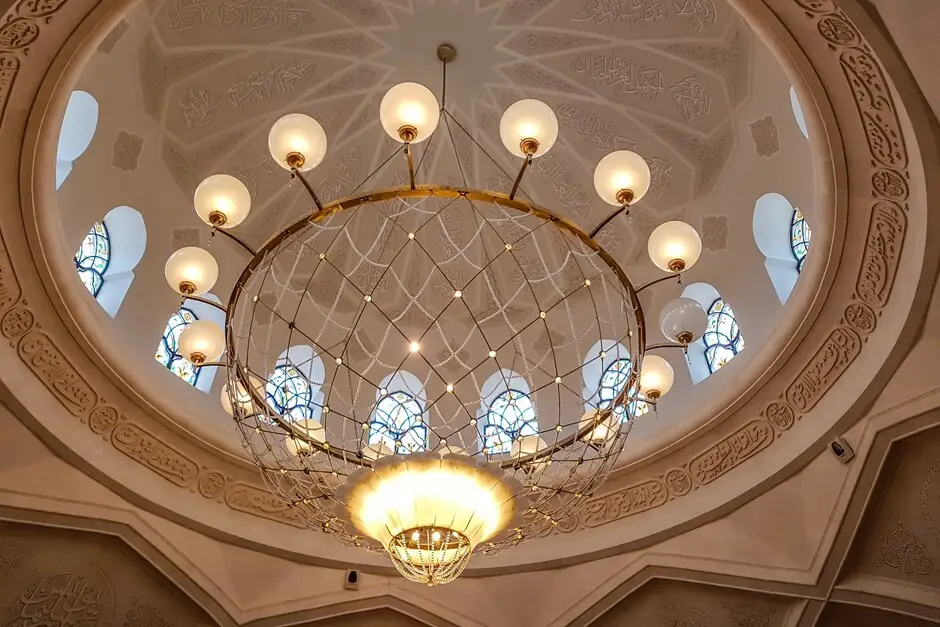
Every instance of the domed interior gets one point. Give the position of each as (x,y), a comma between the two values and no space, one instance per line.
(179,91)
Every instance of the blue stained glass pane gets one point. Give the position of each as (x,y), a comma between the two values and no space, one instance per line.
(397,421)
(290,393)
(612,381)
(800,236)
(168,348)
(511,415)
(723,339)
(93,257)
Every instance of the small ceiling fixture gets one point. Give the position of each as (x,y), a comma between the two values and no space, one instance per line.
(399,452)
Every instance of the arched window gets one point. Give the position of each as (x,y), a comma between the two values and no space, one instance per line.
(507,412)
(168,349)
(799,238)
(293,388)
(798,112)
(78,129)
(93,257)
(398,419)
(722,338)
(782,234)
(606,371)
(108,255)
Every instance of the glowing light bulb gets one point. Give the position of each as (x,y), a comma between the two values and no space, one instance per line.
(414,347)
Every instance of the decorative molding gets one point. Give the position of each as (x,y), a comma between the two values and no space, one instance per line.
(12,555)
(142,446)
(766,136)
(47,362)
(749,615)
(260,502)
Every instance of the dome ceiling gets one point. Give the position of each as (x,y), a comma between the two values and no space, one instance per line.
(189,88)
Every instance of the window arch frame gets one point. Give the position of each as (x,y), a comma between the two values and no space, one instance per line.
(91,239)
(598,362)
(497,433)
(773,230)
(720,310)
(173,355)
(302,364)
(78,129)
(403,435)
(800,237)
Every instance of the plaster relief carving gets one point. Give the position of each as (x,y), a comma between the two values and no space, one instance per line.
(18,33)
(259,502)
(930,501)
(890,184)
(144,615)
(198,106)
(816,6)
(838,31)
(47,362)
(264,14)
(16,322)
(779,415)
(882,253)
(9,66)
(359,78)
(38,8)
(680,616)
(183,237)
(749,615)
(561,181)
(126,151)
(766,136)
(731,58)
(692,99)
(261,85)
(678,482)
(103,418)
(186,15)
(113,37)
(901,550)
(715,232)
(836,354)
(212,484)
(699,13)
(633,12)
(743,444)
(588,125)
(529,74)
(861,317)
(875,105)
(141,446)
(626,75)
(66,594)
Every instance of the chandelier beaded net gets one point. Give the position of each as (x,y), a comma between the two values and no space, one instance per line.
(448,326)
(409,367)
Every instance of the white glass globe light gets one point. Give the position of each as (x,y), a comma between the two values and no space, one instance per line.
(674,246)
(222,201)
(305,431)
(191,271)
(604,428)
(201,341)
(449,449)
(297,141)
(409,112)
(656,377)
(683,320)
(528,127)
(622,178)
(242,398)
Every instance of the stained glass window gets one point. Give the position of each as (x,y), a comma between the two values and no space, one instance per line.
(168,349)
(290,393)
(723,339)
(799,238)
(398,422)
(612,381)
(93,257)
(510,416)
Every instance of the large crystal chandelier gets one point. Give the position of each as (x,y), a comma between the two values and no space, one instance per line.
(443,410)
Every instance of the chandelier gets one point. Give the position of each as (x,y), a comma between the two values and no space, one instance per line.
(436,340)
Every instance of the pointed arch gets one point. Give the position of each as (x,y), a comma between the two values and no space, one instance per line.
(507,411)
(398,419)
(108,255)
(294,387)
(167,353)
(605,372)
(782,234)
(723,338)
